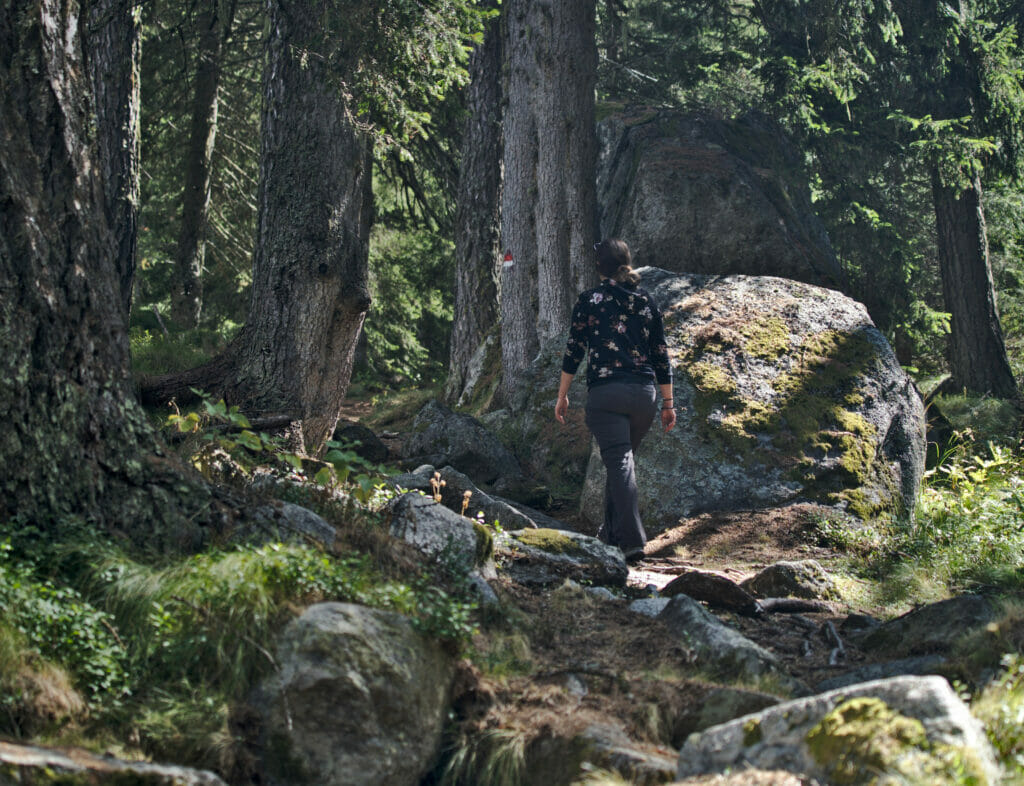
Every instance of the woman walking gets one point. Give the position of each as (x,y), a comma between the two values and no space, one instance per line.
(618,327)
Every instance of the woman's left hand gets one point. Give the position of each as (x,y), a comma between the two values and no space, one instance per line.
(668,419)
(561,407)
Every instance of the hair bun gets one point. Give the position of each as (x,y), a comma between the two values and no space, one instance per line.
(626,275)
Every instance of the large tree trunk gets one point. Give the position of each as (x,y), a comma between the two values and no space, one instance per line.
(75,443)
(294,356)
(548,209)
(113,44)
(977,353)
(478,213)
(214,26)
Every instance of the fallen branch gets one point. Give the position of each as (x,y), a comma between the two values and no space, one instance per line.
(832,636)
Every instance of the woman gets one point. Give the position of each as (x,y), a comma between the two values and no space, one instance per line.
(619,328)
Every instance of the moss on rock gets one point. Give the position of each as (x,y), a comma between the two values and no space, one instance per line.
(864,741)
(484,543)
(811,425)
(552,541)
(766,338)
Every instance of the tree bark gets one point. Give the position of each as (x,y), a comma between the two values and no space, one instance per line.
(548,211)
(75,443)
(977,353)
(478,213)
(309,293)
(214,25)
(114,50)
(519,340)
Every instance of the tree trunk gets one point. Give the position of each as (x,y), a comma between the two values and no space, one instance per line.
(214,27)
(977,353)
(548,207)
(113,44)
(309,293)
(477,216)
(566,171)
(75,444)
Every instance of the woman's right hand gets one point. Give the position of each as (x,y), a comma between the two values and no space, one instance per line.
(561,408)
(668,419)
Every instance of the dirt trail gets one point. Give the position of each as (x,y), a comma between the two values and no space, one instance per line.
(555,662)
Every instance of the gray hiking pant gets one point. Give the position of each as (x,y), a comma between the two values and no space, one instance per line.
(619,414)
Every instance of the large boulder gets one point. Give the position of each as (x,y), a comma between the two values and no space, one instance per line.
(719,648)
(934,628)
(543,557)
(786,392)
(696,193)
(442,534)
(914,729)
(440,436)
(359,697)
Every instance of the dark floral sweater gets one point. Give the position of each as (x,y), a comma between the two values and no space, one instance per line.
(620,332)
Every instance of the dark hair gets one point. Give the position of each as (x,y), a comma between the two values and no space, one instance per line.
(615,262)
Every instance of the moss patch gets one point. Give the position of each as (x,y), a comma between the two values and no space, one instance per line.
(752,733)
(766,338)
(552,541)
(863,739)
(484,543)
(811,428)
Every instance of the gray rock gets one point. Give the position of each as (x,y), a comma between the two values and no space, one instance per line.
(359,698)
(31,764)
(716,590)
(799,579)
(792,736)
(786,393)
(725,703)
(306,524)
(932,628)
(441,533)
(542,557)
(719,648)
(696,193)
(416,480)
(484,591)
(649,607)
(440,436)
(922,664)
(560,757)
(612,749)
(369,445)
(601,593)
(508,514)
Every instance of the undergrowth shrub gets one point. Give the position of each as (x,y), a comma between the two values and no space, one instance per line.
(968,528)
(165,654)
(154,352)
(61,625)
(1000,707)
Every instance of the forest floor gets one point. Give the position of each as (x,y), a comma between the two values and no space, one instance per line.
(589,661)
(557,662)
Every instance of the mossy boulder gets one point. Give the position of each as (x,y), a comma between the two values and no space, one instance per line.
(359,697)
(902,730)
(543,557)
(697,193)
(786,392)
